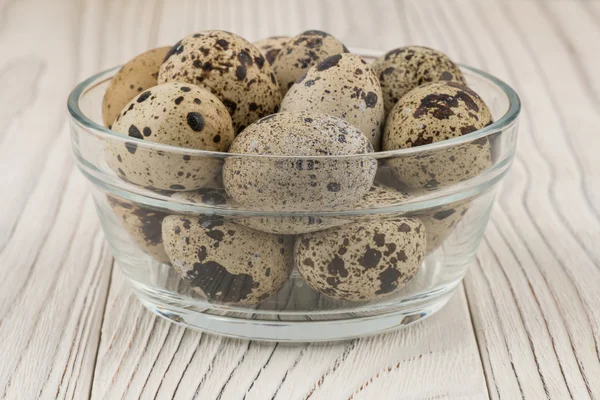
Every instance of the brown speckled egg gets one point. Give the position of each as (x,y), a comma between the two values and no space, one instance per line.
(143,225)
(441,221)
(133,78)
(271,46)
(361,261)
(231,67)
(290,183)
(342,85)
(225,262)
(403,69)
(302,52)
(432,113)
(175,114)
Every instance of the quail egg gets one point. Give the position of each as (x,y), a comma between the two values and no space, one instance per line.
(271,46)
(342,85)
(302,52)
(134,77)
(175,114)
(143,225)
(432,113)
(231,67)
(226,262)
(361,261)
(299,183)
(403,69)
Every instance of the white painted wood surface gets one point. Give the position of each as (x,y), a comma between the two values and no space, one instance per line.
(526,325)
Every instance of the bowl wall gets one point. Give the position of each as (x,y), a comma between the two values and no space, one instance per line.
(276,278)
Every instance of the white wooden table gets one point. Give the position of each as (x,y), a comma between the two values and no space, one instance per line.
(525,325)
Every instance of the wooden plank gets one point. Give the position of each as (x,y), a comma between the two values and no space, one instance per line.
(534,300)
(54,264)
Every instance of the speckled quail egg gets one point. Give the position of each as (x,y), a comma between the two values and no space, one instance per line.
(403,69)
(361,261)
(342,85)
(271,46)
(143,225)
(304,183)
(440,222)
(302,52)
(225,262)
(432,113)
(175,114)
(231,67)
(134,77)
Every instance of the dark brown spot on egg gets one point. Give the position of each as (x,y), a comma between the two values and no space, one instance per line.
(404,227)
(371,99)
(333,187)
(195,121)
(388,280)
(217,138)
(440,215)
(231,106)
(315,32)
(217,283)
(240,72)
(271,55)
(147,131)
(337,267)
(244,58)
(151,225)
(176,49)
(438,105)
(197,101)
(224,44)
(142,97)
(379,239)
(329,62)
(202,253)
(370,258)
(446,76)
(178,100)
(185,89)
(393,53)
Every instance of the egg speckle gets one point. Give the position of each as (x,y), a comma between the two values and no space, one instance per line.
(403,69)
(271,46)
(231,68)
(342,85)
(137,75)
(441,221)
(302,52)
(175,114)
(143,224)
(304,183)
(361,261)
(432,113)
(226,262)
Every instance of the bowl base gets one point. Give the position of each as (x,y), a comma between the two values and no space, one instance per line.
(309,330)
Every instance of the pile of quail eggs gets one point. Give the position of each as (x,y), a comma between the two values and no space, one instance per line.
(290,100)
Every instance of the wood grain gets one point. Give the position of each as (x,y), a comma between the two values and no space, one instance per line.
(526,325)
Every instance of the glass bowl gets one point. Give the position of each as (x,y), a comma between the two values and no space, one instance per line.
(390,254)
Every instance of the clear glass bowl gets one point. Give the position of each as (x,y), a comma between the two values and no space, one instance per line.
(255,289)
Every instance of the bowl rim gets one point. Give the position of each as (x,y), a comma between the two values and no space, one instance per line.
(514,109)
